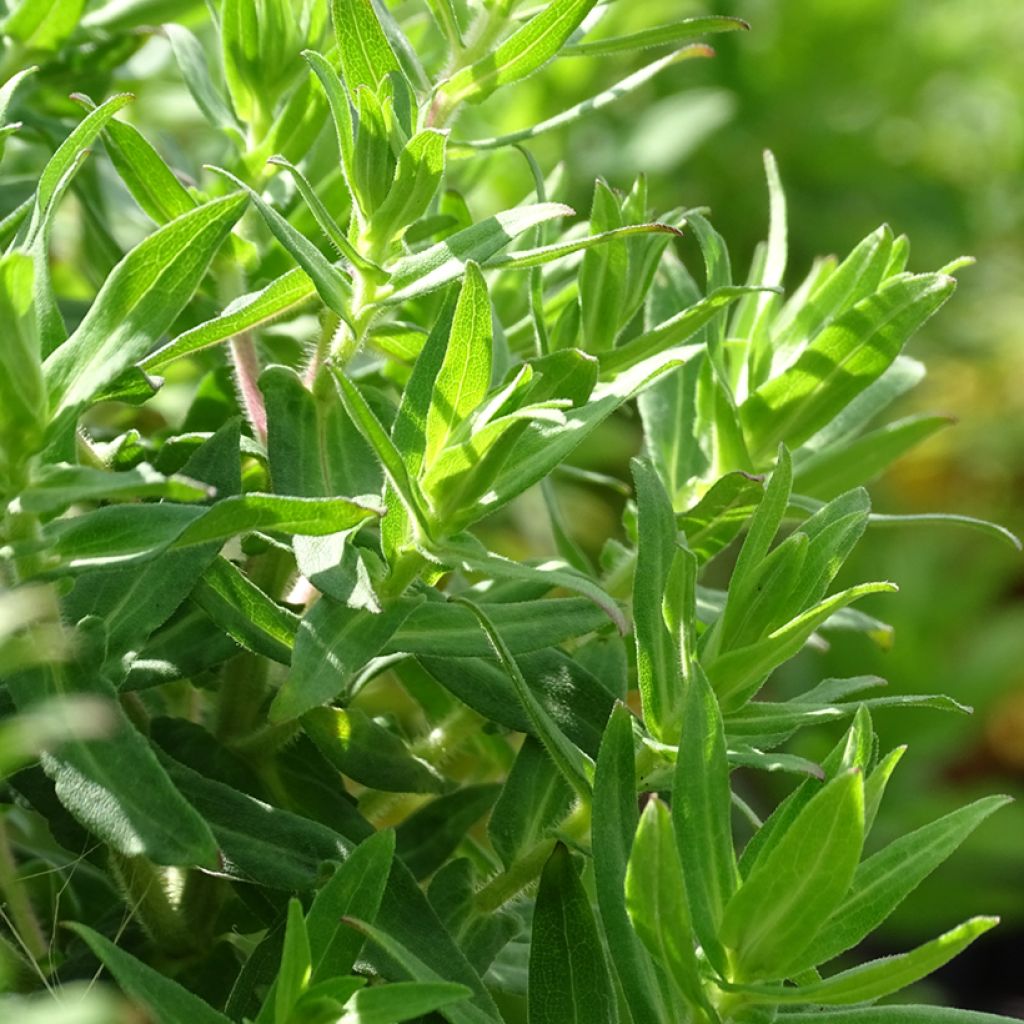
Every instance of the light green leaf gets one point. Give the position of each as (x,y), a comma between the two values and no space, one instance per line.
(296,968)
(418,176)
(701,814)
(462,1012)
(43,24)
(877,978)
(614,823)
(895,1015)
(194,66)
(282,295)
(602,278)
(569,979)
(527,49)
(846,357)
(332,283)
(791,892)
(138,302)
(659,672)
(837,468)
(465,373)
(660,35)
(433,268)
(366,55)
(657,905)
(603,99)
(401,1001)
(886,878)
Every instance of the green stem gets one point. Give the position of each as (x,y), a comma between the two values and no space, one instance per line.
(527,869)
(145,889)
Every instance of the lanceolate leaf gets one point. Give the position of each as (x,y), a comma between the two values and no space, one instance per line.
(841,362)
(277,298)
(366,55)
(165,1000)
(532,46)
(138,302)
(615,820)
(886,878)
(792,891)
(701,814)
(662,35)
(878,978)
(569,981)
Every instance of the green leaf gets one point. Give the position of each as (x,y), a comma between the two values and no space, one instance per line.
(672,332)
(166,1000)
(847,356)
(534,799)
(614,823)
(886,878)
(114,785)
(657,905)
(332,283)
(457,1013)
(367,752)
(401,1001)
(418,176)
(792,890)
(598,102)
(445,630)
(432,834)
(296,968)
(993,530)
(366,55)
(661,35)
(138,302)
(466,553)
(58,486)
(122,533)
(22,392)
(574,765)
(877,978)
(569,979)
(333,644)
(194,66)
(659,672)
(355,888)
(895,1015)
(738,674)
(576,701)
(245,612)
(433,268)
(389,456)
(43,24)
(154,186)
(282,295)
(602,278)
(701,814)
(716,520)
(526,50)
(837,468)
(464,377)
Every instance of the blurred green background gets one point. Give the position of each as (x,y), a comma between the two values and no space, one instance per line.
(910,112)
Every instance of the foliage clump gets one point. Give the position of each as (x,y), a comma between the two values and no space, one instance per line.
(266,672)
